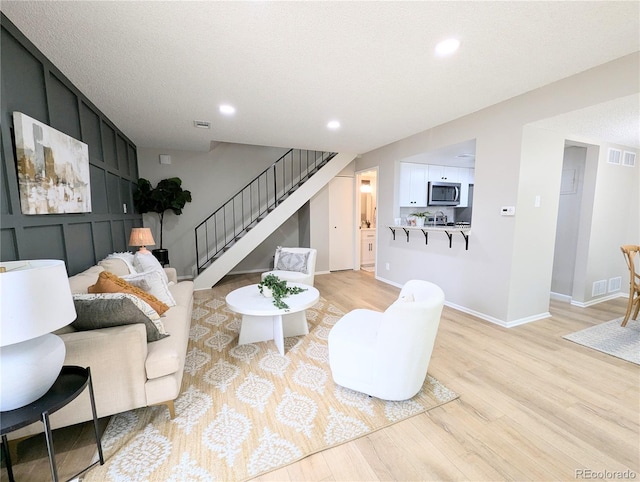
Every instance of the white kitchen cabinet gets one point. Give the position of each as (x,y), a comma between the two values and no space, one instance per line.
(367,246)
(413,184)
(443,173)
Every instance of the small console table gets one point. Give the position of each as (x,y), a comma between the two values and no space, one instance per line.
(69,385)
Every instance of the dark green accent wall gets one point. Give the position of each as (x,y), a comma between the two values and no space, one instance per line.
(31,84)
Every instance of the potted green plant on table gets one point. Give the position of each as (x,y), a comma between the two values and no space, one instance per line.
(167,195)
(272,286)
(421,217)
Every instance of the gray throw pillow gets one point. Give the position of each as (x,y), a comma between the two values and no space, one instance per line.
(107,312)
(290,261)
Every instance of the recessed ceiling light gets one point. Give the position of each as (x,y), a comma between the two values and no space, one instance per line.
(227,109)
(447,47)
(334,124)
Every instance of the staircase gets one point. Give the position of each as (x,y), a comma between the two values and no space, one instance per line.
(234,230)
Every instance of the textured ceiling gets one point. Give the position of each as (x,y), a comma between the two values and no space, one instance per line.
(289,67)
(617,121)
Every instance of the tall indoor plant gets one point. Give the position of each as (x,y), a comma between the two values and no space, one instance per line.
(167,195)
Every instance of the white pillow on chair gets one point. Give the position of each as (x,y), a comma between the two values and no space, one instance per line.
(290,261)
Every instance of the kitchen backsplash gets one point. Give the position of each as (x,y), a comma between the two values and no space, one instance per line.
(447,210)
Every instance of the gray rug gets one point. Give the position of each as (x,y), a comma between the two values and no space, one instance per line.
(611,338)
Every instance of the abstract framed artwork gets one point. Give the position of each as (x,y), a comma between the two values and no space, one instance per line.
(53,169)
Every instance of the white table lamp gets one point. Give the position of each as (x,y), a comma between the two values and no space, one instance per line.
(141,237)
(35,299)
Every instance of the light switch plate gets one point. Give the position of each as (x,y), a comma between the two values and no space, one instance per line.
(508,211)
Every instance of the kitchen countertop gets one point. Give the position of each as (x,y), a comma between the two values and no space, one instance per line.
(464,229)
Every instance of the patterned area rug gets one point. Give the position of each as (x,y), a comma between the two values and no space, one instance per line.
(611,338)
(246,410)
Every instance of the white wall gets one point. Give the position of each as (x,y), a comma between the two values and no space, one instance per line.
(615,221)
(505,275)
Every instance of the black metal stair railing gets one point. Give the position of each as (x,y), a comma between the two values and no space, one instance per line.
(253,202)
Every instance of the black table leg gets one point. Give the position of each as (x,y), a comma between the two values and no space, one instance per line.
(95,419)
(52,454)
(7,457)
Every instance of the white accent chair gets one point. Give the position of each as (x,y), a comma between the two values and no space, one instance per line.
(297,265)
(386,355)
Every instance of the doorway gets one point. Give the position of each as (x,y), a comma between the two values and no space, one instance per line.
(341,222)
(367,218)
(568,223)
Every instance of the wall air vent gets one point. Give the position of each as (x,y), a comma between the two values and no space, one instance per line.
(615,284)
(202,124)
(599,288)
(614,156)
(629,159)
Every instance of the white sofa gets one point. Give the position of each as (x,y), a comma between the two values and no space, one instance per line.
(127,372)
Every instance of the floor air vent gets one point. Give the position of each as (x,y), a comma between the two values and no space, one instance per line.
(599,288)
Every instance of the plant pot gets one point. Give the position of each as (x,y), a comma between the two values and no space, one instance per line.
(419,222)
(162,255)
(266,292)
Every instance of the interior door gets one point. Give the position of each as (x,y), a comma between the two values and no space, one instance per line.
(341,223)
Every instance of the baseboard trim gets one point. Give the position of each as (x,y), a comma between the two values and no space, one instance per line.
(560,297)
(497,321)
(482,316)
(389,282)
(586,304)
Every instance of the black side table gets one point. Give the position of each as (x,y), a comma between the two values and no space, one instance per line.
(70,383)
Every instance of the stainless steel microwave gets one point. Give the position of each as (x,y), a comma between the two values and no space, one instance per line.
(443,193)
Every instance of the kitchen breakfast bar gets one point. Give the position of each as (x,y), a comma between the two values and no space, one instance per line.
(448,230)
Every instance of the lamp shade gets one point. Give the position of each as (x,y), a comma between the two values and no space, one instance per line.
(141,237)
(35,299)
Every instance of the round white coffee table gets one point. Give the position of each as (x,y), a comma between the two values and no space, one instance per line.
(262,321)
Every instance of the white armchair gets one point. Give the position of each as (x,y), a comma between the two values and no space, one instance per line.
(386,355)
(297,265)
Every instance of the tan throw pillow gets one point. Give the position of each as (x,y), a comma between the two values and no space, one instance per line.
(110,283)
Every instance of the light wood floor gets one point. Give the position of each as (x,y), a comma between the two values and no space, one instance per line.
(532,406)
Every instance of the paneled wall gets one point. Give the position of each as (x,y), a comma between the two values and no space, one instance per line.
(31,84)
